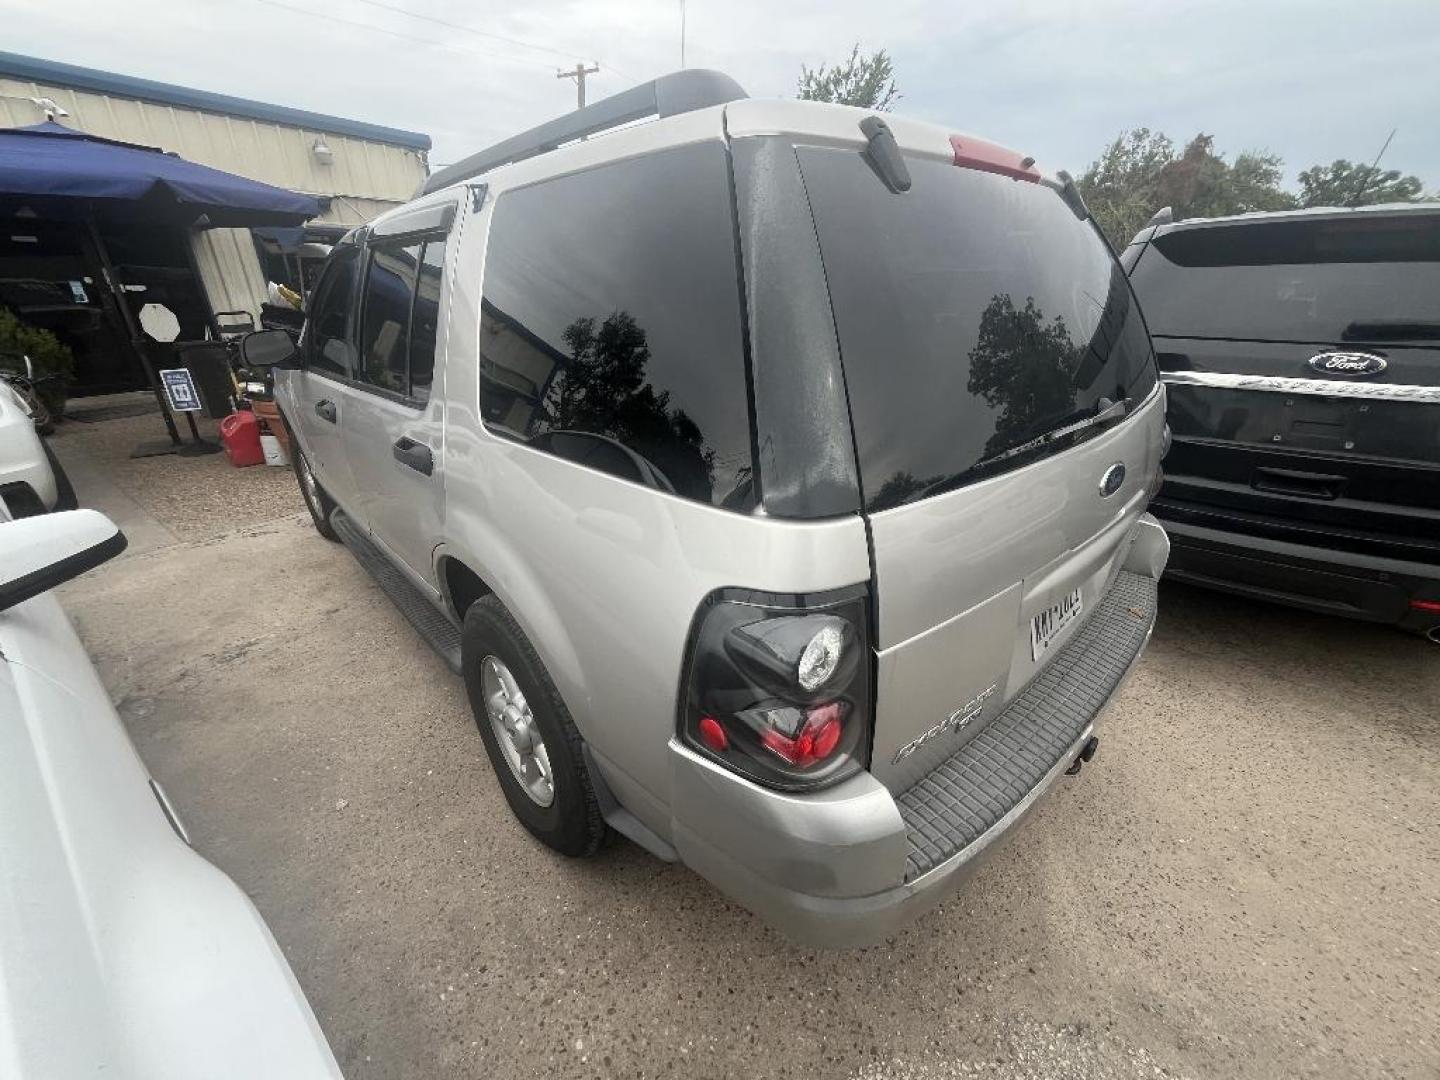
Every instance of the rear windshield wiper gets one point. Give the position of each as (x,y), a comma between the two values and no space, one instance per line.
(1106,412)
(1391,329)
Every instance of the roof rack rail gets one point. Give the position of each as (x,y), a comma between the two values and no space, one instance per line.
(670,95)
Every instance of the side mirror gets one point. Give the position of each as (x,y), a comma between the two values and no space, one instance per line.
(38,553)
(266,348)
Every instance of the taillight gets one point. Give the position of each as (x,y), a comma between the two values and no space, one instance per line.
(777,687)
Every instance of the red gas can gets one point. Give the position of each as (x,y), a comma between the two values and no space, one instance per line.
(240,435)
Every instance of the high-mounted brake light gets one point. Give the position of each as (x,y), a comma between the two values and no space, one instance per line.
(972,153)
(778,687)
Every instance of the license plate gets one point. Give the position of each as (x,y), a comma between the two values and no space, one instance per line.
(1046,626)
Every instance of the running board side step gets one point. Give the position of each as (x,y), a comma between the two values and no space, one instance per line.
(432,624)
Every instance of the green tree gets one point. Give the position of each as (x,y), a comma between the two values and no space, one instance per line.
(1122,187)
(49,356)
(1342,184)
(1140,172)
(864,81)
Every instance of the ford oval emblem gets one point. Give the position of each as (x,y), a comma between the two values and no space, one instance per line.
(1112,481)
(1349,364)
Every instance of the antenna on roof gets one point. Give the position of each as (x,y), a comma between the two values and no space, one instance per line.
(669,95)
(1355,199)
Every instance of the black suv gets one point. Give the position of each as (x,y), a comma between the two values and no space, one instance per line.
(1301,354)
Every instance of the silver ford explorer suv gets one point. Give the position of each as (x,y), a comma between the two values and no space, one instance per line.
(773,472)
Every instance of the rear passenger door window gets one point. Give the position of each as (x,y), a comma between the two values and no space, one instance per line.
(611,327)
(389,296)
(400,316)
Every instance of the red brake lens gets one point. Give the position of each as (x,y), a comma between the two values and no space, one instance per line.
(712,734)
(816,740)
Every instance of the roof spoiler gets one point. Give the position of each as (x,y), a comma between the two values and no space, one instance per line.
(670,95)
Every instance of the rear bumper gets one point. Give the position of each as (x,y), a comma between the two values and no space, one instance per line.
(853,864)
(1328,581)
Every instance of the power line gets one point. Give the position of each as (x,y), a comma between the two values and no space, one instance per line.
(489,34)
(469,29)
(403,36)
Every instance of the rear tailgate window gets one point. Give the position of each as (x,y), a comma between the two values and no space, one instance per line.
(1323,281)
(974,313)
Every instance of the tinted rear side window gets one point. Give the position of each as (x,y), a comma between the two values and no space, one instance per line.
(612,308)
(975,313)
(1364,279)
(389,294)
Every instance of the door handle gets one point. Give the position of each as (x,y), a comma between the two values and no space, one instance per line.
(325,409)
(414,455)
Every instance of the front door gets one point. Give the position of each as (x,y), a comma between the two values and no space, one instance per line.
(318,390)
(393,423)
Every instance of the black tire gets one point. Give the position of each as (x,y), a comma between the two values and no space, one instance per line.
(572,823)
(320,505)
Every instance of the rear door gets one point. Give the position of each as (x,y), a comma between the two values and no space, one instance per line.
(394,421)
(980,320)
(1302,358)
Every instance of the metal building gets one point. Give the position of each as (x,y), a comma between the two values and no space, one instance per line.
(358,170)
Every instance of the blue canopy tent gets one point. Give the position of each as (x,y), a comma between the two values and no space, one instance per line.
(59,167)
(52,172)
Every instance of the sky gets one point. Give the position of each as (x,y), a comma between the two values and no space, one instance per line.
(1310,81)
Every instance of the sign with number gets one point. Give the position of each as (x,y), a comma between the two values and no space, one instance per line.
(180,389)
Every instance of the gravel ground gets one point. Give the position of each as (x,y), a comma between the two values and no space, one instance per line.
(194,497)
(1245,883)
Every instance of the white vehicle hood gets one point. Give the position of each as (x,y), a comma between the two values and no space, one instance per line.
(123,953)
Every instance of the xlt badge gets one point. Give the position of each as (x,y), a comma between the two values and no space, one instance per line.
(954,722)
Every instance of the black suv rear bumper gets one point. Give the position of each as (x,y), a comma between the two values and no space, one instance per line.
(1326,580)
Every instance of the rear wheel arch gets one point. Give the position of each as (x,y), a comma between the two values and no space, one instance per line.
(524,598)
(462,585)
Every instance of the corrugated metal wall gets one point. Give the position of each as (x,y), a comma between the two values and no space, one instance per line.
(362,178)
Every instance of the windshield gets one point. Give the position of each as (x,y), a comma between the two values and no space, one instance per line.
(1367,278)
(975,314)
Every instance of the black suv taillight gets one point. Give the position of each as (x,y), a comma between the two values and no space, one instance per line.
(777,687)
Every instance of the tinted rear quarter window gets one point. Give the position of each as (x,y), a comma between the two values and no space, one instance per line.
(611,308)
(974,312)
(1319,281)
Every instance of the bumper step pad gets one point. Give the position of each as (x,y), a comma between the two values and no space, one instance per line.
(967,794)
(433,625)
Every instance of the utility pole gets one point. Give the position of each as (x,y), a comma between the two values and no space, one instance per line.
(682,34)
(578,74)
